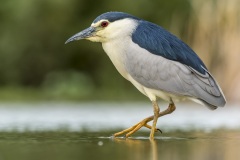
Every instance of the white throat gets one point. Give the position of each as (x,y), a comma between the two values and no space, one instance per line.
(117,38)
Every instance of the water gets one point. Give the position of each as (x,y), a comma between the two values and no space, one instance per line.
(220,145)
(67,131)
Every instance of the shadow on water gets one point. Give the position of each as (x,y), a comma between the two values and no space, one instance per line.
(59,145)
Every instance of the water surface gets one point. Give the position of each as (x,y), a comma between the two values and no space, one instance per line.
(73,131)
(219,145)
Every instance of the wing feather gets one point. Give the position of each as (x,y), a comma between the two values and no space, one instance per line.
(159,73)
(160,42)
(168,64)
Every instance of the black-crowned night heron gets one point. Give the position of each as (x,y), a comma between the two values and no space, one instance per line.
(155,61)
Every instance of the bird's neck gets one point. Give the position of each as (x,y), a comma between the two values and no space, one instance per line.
(116,50)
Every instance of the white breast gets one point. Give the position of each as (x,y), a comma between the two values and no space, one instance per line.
(116,52)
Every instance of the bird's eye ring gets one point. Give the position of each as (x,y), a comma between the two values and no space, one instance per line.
(104,24)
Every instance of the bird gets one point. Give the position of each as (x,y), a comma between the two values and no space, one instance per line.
(159,64)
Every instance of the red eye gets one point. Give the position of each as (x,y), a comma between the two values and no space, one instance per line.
(104,24)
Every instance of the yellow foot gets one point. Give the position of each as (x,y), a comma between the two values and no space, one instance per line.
(136,127)
(144,122)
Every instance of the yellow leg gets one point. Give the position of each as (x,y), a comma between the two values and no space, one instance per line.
(155,118)
(144,122)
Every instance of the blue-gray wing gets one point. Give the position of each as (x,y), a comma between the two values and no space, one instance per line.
(168,64)
(160,42)
(159,73)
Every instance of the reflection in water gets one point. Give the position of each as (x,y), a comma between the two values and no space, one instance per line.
(139,146)
(142,148)
(219,145)
(197,146)
(154,149)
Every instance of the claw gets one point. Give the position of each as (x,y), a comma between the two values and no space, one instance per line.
(150,127)
(160,130)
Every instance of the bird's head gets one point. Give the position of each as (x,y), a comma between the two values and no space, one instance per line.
(108,26)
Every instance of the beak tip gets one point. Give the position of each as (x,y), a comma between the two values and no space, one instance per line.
(69,40)
(82,35)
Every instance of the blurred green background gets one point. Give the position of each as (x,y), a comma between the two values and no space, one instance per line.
(36,65)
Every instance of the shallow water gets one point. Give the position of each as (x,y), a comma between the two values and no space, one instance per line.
(67,131)
(219,145)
